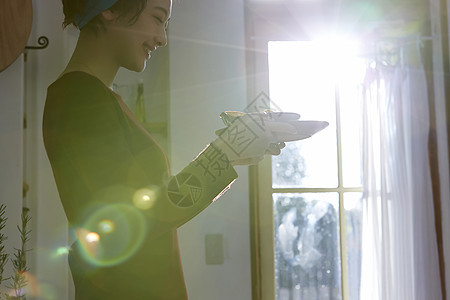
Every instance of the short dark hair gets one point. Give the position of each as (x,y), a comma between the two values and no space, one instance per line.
(124,7)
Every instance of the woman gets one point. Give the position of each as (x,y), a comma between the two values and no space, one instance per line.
(113,178)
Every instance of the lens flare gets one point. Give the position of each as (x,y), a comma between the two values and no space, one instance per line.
(62,251)
(86,239)
(92,237)
(106,226)
(146,198)
(111,234)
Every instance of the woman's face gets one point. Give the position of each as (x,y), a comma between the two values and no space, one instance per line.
(132,44)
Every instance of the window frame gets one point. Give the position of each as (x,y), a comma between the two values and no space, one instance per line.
(274,22)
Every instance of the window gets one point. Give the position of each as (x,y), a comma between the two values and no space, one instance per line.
(308,208)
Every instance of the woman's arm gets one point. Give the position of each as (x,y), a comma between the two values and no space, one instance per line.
(93,153)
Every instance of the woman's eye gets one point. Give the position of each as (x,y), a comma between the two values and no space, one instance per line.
(159,20)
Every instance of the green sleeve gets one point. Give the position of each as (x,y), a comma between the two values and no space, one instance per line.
(200,183)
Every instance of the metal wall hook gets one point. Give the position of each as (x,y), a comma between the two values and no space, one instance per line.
(42,41)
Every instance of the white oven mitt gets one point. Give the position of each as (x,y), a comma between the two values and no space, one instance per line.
(249,136)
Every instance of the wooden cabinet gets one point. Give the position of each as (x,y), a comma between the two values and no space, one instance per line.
(16,18)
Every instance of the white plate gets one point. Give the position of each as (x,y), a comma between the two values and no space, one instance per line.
(228,117)
(305,129)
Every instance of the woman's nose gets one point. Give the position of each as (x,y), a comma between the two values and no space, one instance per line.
(161,39)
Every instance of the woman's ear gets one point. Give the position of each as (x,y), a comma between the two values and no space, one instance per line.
(108,15)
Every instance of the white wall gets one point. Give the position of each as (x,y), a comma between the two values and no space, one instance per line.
(207,76)
(11,155)
(49,222)
(23,90)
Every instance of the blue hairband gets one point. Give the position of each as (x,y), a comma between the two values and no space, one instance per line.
(91,9)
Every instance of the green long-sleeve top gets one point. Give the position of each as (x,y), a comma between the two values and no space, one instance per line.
(119,198)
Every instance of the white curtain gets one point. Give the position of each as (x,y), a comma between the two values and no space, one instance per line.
(399,250)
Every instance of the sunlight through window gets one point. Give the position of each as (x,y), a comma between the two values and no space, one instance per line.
(317,254)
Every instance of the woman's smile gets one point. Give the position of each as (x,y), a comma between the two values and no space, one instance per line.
(147,52)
